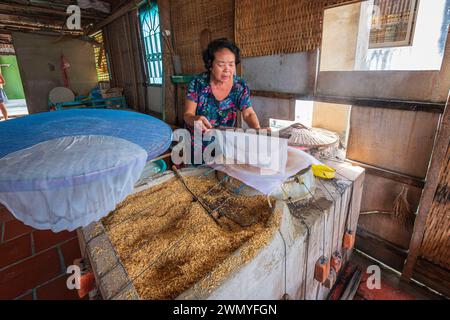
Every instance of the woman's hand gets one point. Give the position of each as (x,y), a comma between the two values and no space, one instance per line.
(202,123)
(190,118)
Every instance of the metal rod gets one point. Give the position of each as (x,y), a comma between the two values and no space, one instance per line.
(204,205)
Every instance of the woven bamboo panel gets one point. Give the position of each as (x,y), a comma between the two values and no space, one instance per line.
(436,243)
(190,18)
(279,26)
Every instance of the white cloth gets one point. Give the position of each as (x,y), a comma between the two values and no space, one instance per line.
(254,177)
(69,182)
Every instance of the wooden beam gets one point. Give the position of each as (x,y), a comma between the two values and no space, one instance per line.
(7,19)
(439,150)
(9,28)
(23,27)
(382,250)
(392,175)
(424,106)
(275,95)
(35,9)
(20,16)
(432,276)
(131,5)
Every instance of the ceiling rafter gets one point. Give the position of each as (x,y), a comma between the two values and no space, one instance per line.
(32,9)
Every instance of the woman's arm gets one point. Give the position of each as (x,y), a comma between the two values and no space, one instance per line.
(2,80)
(251,118)
(190,117)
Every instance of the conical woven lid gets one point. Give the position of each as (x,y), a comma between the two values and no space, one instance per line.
(302,136)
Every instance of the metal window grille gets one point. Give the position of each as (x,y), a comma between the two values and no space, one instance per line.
(151,36)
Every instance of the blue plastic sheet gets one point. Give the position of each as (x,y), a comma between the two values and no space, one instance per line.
(151,134)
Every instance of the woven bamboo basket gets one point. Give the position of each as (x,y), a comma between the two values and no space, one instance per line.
(319,142)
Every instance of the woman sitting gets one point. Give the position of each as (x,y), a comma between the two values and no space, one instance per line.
(215,96)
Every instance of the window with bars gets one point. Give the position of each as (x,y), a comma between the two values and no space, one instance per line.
(101,63)
(393,23)
(151,36)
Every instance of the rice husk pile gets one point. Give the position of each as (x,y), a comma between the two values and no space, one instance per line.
(167,242)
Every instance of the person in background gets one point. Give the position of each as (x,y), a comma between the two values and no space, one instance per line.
(3,98)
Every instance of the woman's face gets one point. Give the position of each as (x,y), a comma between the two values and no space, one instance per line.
(224,65)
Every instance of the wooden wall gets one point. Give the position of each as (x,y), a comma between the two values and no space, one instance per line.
(194,22)
(39,60)
(396,140)
(399,142)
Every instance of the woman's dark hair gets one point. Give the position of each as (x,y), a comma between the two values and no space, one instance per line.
(216,45)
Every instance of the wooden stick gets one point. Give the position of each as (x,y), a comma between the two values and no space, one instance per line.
(161,157)
(352,286)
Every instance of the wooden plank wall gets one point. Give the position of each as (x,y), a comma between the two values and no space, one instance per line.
(396,140)
(122,40)
(399,141)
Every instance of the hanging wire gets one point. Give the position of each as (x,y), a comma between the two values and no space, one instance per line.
(349,213)
(323,235)
(308,233)
(334,214)
(285,263)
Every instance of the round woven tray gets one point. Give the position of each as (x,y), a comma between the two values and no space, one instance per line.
(302,136)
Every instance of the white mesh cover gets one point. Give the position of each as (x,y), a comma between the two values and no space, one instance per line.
(66,183)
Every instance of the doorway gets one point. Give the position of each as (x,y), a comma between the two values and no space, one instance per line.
(15,102)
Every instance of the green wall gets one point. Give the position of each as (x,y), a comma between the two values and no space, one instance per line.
(13,87)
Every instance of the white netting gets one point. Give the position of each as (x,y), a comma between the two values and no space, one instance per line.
(66,183)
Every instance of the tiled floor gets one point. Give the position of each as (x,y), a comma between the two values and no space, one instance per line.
(391,288)
(33,263)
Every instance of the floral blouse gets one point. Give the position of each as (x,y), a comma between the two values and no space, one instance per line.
(218,113)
